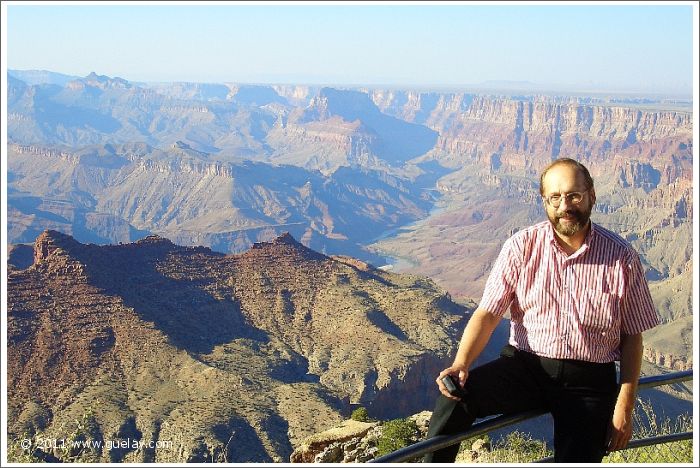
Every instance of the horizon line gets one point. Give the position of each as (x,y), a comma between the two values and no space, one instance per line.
(505,86)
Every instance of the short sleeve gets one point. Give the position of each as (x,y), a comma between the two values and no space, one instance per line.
(637,308)
(500,286)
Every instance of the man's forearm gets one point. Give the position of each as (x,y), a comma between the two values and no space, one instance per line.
(475,337)
(630,367)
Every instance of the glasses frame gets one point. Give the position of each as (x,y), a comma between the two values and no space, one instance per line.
(564,195)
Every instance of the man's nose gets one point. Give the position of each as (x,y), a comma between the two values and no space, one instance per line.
(564,203)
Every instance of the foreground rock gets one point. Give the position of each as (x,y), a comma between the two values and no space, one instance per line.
(351,441)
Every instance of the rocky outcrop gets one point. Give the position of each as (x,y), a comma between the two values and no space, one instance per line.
(534,115)
(54,244)
(351,441)
(341,144)
(330,446)
(356,131)
(522,134)
(668,360)
(639,175)
(526,135)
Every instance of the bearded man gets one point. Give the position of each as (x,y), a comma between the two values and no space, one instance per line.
(578,301)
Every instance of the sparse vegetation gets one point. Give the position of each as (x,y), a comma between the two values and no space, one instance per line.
(396,434)
(18,452)
(515,447)
(360,414)
(518,447)
(77,447)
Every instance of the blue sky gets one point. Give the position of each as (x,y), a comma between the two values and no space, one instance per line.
(626,47)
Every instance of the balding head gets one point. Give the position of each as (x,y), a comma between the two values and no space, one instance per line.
(572,163)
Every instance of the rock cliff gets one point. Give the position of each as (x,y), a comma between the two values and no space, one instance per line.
(116,193)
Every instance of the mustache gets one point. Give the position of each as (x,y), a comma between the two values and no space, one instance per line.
(570,213)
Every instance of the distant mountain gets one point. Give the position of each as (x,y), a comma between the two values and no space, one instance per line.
(192,91)
(36,77)
(254,122)
(118,193)
(231,358)
(102,110)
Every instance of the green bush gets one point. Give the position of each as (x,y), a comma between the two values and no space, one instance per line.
(360,414)
(18,452)
(396,434)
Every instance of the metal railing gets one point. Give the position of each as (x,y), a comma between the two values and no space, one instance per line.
(419,449)
(638,443)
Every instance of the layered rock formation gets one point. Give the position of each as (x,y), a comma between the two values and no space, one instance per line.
(235,358)
(117,193)
(344,127)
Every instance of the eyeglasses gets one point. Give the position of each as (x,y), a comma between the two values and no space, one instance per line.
(572,198)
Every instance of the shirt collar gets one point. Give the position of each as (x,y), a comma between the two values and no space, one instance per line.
(587,242)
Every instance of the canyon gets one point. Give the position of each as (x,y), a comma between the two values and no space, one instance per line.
(427,184)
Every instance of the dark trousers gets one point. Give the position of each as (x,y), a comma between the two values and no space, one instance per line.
(580,395)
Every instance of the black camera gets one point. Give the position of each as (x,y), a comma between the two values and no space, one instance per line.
(452,385)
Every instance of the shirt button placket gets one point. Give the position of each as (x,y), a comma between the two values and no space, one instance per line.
(567,308)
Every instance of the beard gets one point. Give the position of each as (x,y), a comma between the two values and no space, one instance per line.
(577,220)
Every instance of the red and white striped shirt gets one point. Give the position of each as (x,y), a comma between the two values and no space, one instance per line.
(570,306)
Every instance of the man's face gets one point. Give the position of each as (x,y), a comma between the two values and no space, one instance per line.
(569,218)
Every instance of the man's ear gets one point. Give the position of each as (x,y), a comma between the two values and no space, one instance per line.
(593,195)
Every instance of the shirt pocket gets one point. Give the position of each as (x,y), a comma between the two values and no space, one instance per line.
(599,312)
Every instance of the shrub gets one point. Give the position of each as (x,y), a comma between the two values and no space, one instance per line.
(516,447)
(396,434)
(18,452)
(360,414)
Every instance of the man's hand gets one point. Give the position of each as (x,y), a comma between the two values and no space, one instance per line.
(458,372)
(476,334)
(620,430)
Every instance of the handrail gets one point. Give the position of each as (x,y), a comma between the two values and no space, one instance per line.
(665,379)
(490,424)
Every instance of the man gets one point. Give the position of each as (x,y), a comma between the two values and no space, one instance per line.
(578,301)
